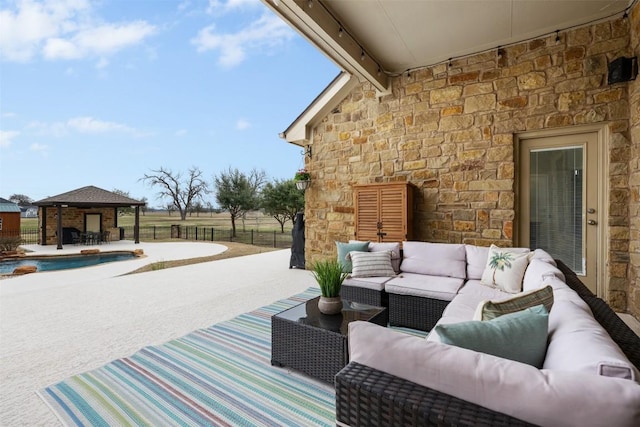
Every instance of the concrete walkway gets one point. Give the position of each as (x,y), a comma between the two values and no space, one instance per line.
(57,324)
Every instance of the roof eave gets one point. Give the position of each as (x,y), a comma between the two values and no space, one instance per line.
(320,28)
(300,131)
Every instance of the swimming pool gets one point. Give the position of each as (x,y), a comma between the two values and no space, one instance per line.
(63,262)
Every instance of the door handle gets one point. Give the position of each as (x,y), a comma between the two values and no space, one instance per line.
(592,222)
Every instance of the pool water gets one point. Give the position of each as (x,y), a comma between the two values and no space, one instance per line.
(63,262)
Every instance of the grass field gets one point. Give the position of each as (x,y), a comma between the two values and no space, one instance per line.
(254,220)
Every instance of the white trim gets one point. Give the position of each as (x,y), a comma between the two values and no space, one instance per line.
(604,137)
(300,132)
(320,28)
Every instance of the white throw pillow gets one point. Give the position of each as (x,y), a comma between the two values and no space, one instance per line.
(371,264)
(505,268)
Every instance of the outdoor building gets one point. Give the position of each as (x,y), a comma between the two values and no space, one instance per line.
(84,210)
(511,144)
(9,219)
(29,211)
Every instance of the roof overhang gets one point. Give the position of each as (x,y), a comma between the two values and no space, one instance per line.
(376,39)
(300,132)
(322,29)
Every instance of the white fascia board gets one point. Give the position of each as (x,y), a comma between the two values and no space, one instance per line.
(320,29)
(300,131)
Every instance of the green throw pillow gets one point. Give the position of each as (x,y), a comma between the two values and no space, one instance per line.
(488,310)
(345,248)
(520,336)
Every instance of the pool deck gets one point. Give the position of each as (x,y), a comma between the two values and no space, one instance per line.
(60,323)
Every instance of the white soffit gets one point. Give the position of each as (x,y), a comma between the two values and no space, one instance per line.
(299,132)
(405,34)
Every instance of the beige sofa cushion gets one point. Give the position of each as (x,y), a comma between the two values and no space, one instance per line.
(434,259)
(543,397)
(577,342)
(375,283)
(423,285)
(476,260)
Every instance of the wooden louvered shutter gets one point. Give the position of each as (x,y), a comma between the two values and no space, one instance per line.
(393,214)
(367,202)
(383,212)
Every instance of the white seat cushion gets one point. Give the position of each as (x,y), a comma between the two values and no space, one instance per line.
(423,285)
(375,283)
(475,287)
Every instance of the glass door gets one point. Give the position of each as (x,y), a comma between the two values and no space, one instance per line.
(559,200)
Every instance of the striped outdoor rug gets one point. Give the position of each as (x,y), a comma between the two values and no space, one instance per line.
(219,376)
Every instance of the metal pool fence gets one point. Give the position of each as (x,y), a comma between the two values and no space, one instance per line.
(273,238)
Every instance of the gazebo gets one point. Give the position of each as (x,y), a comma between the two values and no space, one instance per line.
(87,209)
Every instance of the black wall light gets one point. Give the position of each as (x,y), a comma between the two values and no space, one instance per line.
(623,69)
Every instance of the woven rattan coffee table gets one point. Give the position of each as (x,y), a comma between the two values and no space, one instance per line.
(308,341)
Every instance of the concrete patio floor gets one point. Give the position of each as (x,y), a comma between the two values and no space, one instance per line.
(57,324)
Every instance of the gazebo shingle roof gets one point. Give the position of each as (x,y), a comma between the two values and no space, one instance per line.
(89,196)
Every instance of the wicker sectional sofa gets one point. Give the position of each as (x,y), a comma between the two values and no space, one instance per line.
(589,377)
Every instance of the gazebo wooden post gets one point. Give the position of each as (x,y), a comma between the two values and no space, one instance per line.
(59,227)
(43,231)
(136,226)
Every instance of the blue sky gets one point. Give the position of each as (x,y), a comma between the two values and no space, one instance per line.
(102,92)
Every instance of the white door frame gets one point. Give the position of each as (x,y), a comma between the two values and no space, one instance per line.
(603,136)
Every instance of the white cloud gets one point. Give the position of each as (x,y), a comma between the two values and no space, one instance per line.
(102,63)
(181,132)
(91,125)
(83,125)
(229,5)
(102,40)
(243,124)
(39,148)
(63,29)
(268,31)
(6,136)
(185,4)
(9,115)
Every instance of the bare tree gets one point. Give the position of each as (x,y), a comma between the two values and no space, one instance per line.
(21,199)
(182,194)
(239,193)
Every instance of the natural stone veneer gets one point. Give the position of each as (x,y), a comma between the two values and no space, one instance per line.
(449,129)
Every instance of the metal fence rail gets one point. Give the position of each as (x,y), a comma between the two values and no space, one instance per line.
(273,238)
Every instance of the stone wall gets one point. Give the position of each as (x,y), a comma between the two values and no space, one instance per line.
(449,129)
(634,176)
(72,217)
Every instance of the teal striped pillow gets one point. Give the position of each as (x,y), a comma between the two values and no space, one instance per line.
(371,264)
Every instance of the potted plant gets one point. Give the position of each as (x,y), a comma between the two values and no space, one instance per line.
(329,275)
(302,179)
